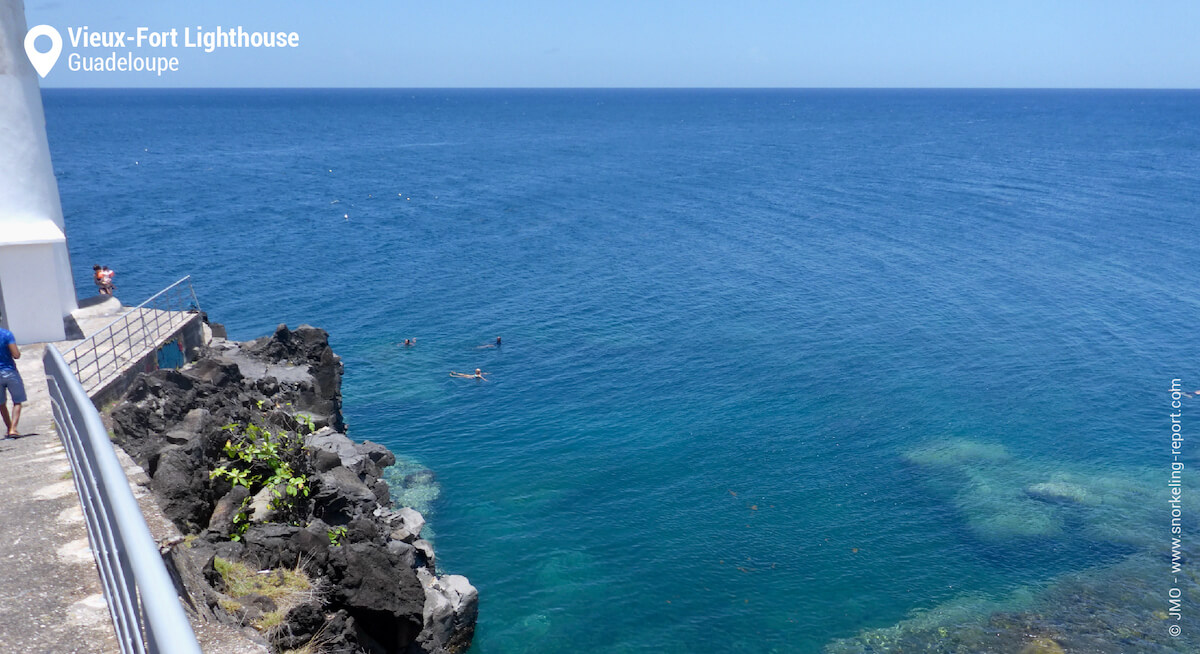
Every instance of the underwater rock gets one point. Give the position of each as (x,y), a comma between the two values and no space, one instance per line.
(1007,498)
(412,484)
(957,452)
(1042,645)
(1108,609)
(962,617)
(996,509)
(1061,492)
(1015,522)
(421,477)
(1066,513)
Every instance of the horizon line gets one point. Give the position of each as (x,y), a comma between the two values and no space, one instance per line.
(621,88)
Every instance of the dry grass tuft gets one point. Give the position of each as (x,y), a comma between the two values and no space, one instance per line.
(287,588)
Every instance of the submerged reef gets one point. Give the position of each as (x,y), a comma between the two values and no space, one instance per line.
(1119,606)
(412,484)
(290,529)
(1115,609)
(1008,499)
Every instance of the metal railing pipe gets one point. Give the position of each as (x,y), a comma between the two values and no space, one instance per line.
(145,606)
(124,339)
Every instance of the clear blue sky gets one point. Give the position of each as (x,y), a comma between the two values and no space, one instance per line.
(665,43)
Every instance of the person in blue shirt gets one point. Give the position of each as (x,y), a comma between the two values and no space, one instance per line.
(10,382)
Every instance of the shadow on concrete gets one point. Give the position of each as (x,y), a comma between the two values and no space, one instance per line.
(93,301)
(74,333)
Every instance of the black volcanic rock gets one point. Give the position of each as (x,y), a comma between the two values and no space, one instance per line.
(180,482)
(303,623)
(379,589)
(381,592)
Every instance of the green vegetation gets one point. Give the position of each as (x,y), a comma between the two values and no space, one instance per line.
(260,458)
(337,535)
(271,458)
(258,447)
(241,520)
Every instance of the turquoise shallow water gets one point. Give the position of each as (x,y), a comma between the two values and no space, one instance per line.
(778,367)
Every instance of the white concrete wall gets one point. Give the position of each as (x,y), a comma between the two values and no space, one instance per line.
(28,275)
(29,202)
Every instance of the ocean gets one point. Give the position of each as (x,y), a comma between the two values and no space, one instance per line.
(811,371)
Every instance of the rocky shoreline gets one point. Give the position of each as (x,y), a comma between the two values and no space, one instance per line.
(288,527)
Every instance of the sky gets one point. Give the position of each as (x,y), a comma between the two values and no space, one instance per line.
(656,43)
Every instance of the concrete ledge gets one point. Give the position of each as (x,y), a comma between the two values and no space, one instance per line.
(98,306)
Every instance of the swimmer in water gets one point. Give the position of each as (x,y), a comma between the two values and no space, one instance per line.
(487,345)
(479,374)
(408,342)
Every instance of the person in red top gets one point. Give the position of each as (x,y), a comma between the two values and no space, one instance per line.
(98,279)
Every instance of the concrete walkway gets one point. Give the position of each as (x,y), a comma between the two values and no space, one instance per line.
(50,594)
(51,601)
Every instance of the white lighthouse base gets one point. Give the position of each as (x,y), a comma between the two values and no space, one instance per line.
(31,302)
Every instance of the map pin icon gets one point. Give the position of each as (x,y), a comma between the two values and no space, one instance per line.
(43,61)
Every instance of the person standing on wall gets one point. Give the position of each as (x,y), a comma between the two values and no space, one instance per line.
(106,279)
(98,278)
(10,382)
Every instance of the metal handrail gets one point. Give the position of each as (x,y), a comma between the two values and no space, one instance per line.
(145,607)
(129,335)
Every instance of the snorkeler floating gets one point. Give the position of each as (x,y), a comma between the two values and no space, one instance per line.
(479,374)
(408,342)
(487,345)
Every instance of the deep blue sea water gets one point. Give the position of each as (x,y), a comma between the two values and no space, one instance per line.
(779,367)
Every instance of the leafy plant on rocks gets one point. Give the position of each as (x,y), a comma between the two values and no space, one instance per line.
(241,521)
(337,535)
(259,458)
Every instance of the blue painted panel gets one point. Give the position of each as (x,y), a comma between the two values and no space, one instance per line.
(170,355)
